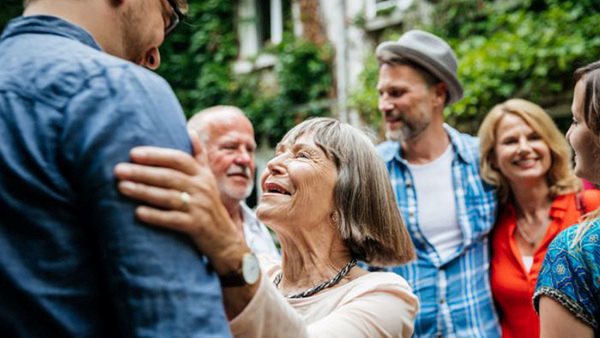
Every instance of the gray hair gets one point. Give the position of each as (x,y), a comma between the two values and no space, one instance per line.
(206,119)
(367,216)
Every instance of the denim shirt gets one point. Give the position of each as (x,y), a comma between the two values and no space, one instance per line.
(454,293)
(74,261)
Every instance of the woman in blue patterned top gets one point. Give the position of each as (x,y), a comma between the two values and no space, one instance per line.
(568,289)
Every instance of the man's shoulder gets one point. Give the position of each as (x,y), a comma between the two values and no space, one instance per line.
(464,138)
(466,145)
(62,68)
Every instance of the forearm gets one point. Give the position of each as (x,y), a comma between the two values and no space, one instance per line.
(267,314)
(235,299)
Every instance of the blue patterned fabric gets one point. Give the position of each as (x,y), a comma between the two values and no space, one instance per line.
(74,262)
(455,293)
(570,274)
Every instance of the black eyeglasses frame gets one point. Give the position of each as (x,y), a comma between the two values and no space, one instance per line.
(175,19)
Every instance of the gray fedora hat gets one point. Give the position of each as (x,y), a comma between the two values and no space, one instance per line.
(428,51)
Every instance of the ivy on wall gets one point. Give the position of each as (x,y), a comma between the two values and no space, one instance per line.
(526,49)
(198,61)
(304,81)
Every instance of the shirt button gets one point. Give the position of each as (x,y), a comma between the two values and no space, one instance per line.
(408,183)
(442,301)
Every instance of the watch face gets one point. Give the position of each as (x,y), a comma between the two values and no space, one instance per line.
(250,268)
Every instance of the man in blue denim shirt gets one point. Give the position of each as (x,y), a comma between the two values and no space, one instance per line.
(434,170)
(73,260)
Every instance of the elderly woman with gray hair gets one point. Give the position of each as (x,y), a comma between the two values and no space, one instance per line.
(327,196)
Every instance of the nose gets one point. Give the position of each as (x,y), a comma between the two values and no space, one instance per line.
(244,157)
(384,104)
(524,145)
(568,135)
(152,59)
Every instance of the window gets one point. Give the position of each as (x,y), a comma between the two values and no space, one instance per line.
(377,8)
(260,22)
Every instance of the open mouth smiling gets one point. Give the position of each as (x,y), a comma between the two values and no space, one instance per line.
(276,189)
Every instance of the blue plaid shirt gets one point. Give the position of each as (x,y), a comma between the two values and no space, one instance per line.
(455,293)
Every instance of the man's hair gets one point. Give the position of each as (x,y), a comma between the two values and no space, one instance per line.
(428,77)
(396,60)
(560,176)
(368,218)
(202,121)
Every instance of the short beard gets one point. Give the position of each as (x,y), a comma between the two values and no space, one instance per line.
(229,194)
(405,133)
(397,135)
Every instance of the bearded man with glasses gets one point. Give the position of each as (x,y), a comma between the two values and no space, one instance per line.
(74,262)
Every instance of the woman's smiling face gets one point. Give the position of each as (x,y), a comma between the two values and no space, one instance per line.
(521,153)
(298,186)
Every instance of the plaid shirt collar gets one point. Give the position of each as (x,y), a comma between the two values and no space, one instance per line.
(464,152)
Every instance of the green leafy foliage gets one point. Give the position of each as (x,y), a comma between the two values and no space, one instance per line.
(197,61)
(304,80)
(8,10)
(526,49)
(197,56)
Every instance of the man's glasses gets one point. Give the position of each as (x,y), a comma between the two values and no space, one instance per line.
(176,17)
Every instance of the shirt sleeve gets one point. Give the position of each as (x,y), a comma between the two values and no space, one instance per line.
(383,310)
(570,274)
(158,283)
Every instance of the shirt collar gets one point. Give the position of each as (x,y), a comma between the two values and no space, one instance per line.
(558,208)
(248,218)
(392,150)
(45,24)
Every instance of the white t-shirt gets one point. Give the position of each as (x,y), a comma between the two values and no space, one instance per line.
(527,261)
(436,203)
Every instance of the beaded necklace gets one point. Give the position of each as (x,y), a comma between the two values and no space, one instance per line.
(333,281)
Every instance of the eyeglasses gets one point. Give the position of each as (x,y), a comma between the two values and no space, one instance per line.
(176,17)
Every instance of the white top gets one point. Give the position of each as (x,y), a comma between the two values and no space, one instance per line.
(256,234)
(527,261)
(436,203)
(378,304)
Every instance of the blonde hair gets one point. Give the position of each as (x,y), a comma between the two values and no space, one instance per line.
(590,75)
(367,215)
(560,177)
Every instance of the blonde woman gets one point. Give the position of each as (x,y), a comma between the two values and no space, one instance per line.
(527,158)
(568,288)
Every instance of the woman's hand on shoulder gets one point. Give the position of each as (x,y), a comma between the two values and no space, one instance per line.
(180,193)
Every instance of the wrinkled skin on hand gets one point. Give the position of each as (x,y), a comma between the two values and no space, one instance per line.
(158,176)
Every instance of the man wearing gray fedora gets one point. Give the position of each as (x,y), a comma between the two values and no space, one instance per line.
(434,169)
